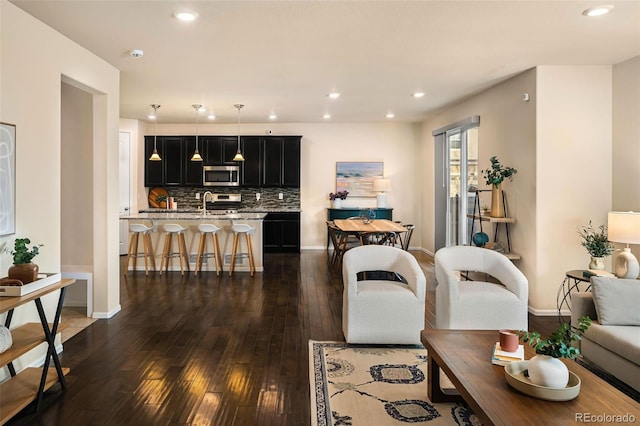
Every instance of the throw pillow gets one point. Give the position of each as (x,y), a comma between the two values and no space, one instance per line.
(616,300)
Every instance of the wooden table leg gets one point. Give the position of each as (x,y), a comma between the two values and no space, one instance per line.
(434,391)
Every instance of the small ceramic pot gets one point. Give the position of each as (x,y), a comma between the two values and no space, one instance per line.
(508,341)
(25,272)
(548,371)
(597,263)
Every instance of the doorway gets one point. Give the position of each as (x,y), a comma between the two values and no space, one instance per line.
(124,188)
(456,148)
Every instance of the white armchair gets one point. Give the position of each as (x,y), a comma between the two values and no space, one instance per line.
(462,304)
(381,311)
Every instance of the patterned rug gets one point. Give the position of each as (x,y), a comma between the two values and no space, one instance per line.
(376,385)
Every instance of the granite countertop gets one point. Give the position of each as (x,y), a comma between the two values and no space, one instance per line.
(241,210)
(193,215)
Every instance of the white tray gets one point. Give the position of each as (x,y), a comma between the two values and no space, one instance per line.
(514,372)
(44,280)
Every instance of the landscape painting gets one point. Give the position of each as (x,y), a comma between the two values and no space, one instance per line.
(7,178)
(357,177)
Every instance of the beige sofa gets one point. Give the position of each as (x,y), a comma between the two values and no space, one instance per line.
(613,340)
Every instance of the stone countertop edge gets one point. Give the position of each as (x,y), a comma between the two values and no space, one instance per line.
(253,210)
(177,215)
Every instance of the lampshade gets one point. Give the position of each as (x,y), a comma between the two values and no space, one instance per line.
(624,227)
(381,185)
(154,155)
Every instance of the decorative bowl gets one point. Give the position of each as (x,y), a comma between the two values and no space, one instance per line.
(514,373)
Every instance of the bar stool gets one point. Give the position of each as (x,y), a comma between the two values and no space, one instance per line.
(170,230)
(208,229)
(247,231)
(136,229)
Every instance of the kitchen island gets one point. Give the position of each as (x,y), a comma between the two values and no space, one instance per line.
(190,219)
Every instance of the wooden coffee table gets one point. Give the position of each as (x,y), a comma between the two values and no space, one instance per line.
(465,357)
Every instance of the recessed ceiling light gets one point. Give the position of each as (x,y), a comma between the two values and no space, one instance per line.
(390,115)
(272,116)
(418,94)
(185,15)
(334,95)
(598,10)
(212,116)
(326,116)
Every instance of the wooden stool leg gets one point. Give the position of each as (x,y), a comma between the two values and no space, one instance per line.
(152,254)
(252,267)
(203,238)
(180,257)
(135,248)
(129,253)
(185,251)
(233,253)
(145,249)
(164,261)
(218,260)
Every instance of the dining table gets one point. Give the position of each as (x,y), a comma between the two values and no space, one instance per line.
(361,227)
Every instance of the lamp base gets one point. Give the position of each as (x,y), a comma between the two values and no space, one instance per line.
(381,200)
(627,265)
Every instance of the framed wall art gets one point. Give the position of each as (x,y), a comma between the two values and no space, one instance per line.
(7,179)
(357,177)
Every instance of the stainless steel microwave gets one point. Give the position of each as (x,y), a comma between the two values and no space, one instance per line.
(221,175)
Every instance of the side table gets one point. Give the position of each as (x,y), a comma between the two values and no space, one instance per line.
(573,281)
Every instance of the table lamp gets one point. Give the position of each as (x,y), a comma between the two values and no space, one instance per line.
(381,186)
(624,227)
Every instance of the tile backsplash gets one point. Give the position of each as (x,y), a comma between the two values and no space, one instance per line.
(186,197)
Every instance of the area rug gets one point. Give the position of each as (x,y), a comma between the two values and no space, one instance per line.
(375,385)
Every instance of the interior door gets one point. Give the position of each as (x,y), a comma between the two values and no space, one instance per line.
(125,188)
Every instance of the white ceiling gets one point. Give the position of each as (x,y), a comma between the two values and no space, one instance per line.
(284,57)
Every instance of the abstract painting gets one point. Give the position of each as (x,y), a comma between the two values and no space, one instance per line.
(357,177)
(7,179)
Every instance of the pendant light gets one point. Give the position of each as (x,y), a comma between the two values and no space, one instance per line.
(238,156)
(154,155)
(196,154)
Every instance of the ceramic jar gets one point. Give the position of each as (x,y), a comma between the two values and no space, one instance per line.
(25,272)
(545,370)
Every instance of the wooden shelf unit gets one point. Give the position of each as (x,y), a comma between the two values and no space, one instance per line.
(477,216)
(29,384)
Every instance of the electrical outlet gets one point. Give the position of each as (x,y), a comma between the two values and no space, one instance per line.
(280,197)
(257,196)
(197,195)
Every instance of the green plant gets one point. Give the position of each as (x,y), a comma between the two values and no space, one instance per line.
(558,345)
(21,253)
(595,241)
(497,173)
(161,198)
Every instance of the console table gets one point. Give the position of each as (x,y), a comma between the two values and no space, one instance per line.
(22,388)
(347,212)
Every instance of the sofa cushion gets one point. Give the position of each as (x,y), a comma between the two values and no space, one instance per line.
(623,340)
(616,300)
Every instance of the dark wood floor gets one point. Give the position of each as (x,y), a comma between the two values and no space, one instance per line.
(206,350)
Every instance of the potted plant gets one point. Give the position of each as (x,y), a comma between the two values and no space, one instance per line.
(494,176)
(23,268)
(162,201)
(597,244)
(546,369)
(337,198)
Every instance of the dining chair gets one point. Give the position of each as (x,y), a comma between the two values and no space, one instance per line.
(341,242)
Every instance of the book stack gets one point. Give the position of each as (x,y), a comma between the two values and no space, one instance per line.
(500,357)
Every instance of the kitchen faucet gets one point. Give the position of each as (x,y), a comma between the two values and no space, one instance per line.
(204,201)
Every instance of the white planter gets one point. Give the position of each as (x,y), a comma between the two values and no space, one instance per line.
(547,371)
(337,203)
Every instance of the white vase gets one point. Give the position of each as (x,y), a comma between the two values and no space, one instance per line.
(545,370)
(597,263)
(337,203)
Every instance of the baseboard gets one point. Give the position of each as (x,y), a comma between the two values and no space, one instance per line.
(107,315)
(546,312)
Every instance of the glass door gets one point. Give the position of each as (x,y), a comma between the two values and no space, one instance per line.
(462,181)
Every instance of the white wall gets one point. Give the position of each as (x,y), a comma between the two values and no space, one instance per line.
(560,143)
(322,146)
(34,61)
(626,138)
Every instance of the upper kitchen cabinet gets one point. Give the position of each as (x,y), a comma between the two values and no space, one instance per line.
(192,169)
(252,164)
(172,160)
(171,170)
(152,169)
(219,150)
(281,161)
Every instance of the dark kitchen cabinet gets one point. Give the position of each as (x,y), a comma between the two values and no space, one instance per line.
(152,169)
(252,164)
(219,150)
(173,160)
(281,165)
(281,232)
(192,169)
(291,162)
